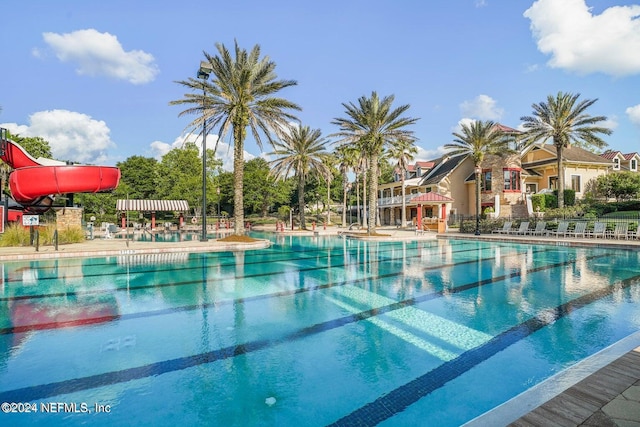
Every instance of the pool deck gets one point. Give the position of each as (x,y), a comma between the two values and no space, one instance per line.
(607,396)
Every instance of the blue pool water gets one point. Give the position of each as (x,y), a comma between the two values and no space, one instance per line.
(312,331)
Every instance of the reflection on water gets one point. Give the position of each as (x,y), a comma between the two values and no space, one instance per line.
(319,322)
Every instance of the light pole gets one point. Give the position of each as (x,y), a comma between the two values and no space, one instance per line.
(478,171)
(203,73)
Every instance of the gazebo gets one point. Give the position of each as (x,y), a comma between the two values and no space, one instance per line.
(432,199)
(153,206)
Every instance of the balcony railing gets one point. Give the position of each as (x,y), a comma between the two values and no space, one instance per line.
(397,200)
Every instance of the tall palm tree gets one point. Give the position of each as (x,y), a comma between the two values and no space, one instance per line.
(372,124)
(476,140)
(347,158)
(564,120)
(301,151)
(239,95)
(403,152)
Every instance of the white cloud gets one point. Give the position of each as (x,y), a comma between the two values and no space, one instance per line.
(427,155)
(481,3)
(580,41)
(634,114)
(99,54)
(224,151)
(72,136)
(458,127)
(611,122)
(483,107)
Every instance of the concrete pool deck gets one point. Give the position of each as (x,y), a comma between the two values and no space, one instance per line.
(605,396)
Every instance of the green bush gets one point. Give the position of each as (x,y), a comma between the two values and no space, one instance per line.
(538,202)
(569,197)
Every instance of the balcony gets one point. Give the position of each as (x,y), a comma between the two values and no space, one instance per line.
(396,200)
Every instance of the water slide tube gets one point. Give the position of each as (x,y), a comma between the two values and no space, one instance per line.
(33,181)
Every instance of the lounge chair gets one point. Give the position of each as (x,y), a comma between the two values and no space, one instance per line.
(524,227)
(540,230)
(621,230)
(563,227)
(599,230)
(635,234)
(506,227)
(579,230)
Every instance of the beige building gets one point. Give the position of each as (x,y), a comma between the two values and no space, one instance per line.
(507,182)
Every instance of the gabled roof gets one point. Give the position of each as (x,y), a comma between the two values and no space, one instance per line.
(629,156)
(611,154)
(571,154)
(425,164)
(443,166)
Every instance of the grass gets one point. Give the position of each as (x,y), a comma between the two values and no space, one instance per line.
(17,235)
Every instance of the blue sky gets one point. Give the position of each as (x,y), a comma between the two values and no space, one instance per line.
(95,78)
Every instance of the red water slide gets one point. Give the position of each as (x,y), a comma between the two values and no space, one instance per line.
(34,180)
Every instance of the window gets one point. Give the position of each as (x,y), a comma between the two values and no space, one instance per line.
(553,182)
(485,180)
(511,179)
(616,163)
(531,188)
(575,183)
(634,165)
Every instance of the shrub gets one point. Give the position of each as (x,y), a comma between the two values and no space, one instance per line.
(17,235)
(538,202)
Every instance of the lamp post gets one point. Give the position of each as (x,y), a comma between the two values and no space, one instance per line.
(478,171)
(203,73)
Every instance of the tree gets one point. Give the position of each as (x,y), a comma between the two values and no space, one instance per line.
(262,191)
(240,95)
(301,151)
(140,175)
(347,159)
(619,185)
(180,175)
(372,124)
(402,152)
(564,120)
(476,140)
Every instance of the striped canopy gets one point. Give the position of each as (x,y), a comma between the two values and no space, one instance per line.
(152,205)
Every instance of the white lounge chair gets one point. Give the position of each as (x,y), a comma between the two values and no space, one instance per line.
(540,230)
(562,229)
(506,227)
(621,230)
(579,230)
(524,227)
(599,230)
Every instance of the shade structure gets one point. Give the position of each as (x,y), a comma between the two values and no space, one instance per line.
(152,205)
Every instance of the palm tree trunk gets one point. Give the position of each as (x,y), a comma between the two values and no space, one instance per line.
(303,225)
(358,200)
(344,204)
(365,218)
(238,180)
(404,204)
(559,148)
(328,201)
(373,194)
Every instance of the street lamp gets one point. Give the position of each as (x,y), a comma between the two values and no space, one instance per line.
(203,73)
(478,171)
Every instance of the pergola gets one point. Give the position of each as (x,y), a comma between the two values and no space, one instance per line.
(153,206)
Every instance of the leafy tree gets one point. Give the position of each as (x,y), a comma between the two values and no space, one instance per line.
(565,121)
(402,152)
(300,152)
(140,176)
(478,139)
(620,185)
(240,95)
(372,124)
(35,146)
(179,176)
(262,191)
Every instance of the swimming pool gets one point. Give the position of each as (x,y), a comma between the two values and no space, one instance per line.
(312,331)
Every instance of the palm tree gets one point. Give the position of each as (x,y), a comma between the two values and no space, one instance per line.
(240,95)
(476,140)
(372,125)
(301,151)
(347,158)
(564,120)
(403,151)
